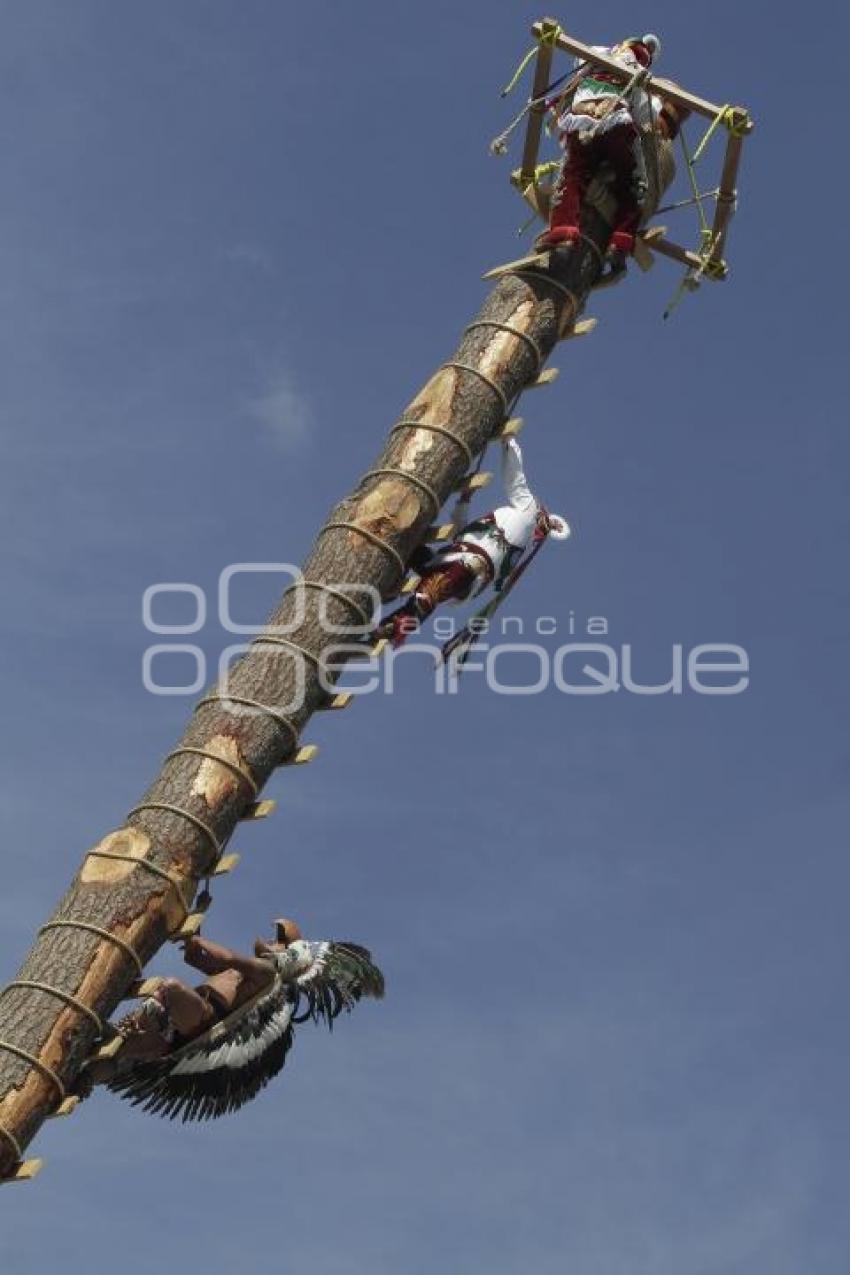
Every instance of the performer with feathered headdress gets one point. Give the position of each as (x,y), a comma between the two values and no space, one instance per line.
(199,1052)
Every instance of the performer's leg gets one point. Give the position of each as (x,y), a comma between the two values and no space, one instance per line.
(565,214)
(451,581)
(624,152)
(188,1012)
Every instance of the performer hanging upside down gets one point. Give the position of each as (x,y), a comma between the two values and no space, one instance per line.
(198,1052)
(603,124)
(485,553)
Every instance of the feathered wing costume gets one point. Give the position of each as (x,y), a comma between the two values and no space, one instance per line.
(229,1064)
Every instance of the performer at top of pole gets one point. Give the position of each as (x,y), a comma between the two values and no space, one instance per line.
(604,123)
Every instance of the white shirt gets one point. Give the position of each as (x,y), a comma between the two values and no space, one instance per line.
(513,524)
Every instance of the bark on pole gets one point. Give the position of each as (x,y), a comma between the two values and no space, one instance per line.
(125,896)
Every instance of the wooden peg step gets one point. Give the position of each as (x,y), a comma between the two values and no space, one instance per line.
(192,925)
(512,428)
(308,753)
(66,1108)
(441,531)
(108,1049)
(339,701)
(25,1172)
(473,483)
(380,646)
(584,327)
(545,378)
(411,584)
(226,864)
(144,987)
(259,810)
(535,260)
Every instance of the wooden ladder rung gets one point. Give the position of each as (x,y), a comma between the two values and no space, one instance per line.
(108,1049)
(342,700)
(473,483)
(226,864)
(512,428)
(259,810)
(441,531)
(25,1172)
(545,378)
(66,1108)
(308,753)
(191,926)
(584,327)
(144,987)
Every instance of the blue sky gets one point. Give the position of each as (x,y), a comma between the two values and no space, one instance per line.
(234,241)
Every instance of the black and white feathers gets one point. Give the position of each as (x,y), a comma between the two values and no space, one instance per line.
(229,1064)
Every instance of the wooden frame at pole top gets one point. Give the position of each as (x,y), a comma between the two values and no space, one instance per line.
(550,35)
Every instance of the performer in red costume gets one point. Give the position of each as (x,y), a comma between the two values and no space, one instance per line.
(602,125)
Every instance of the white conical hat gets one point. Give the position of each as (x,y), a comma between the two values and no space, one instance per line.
(559,528)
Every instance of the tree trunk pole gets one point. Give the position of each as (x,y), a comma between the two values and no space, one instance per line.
(192,807)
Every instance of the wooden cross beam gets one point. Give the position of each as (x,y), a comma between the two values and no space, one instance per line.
(678,96)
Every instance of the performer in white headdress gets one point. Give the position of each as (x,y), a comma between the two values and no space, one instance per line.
(487,551)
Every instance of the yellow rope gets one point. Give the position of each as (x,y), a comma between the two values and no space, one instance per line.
(690,162)
(548,38)
(728,116)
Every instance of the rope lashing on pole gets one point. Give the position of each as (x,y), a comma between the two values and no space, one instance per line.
(354,527)
(102,933)
(482,376)
(513,331)
(153,868)
(332,593)
(235,769)
(168,808)
(241,701)
(443,431)
(70,1000)
(37,1063)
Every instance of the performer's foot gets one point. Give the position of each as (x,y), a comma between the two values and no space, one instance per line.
(403,626)
(556,237)
(622,241)
(616,259)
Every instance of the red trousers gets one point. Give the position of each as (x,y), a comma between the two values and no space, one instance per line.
(618,147)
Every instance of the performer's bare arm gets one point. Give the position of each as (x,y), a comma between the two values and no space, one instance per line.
(213,958)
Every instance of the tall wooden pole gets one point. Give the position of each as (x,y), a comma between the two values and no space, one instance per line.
(132,890)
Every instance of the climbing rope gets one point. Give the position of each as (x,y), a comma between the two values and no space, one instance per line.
(442,430)
(46,1071)
(107,935)
(68,999)
(153,868)
(232,766)
(168,808)
(241,701)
